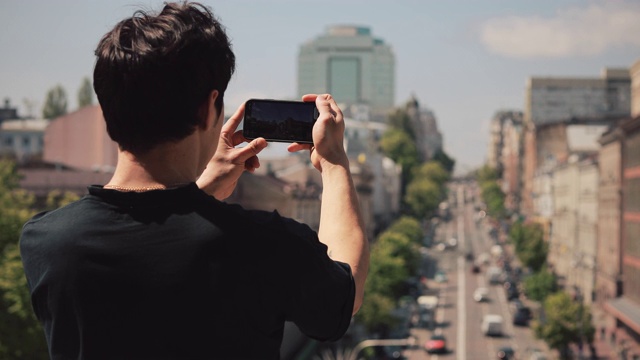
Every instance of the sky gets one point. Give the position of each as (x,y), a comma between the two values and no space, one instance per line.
(462,59)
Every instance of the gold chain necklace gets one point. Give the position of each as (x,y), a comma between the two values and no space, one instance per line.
(135,189)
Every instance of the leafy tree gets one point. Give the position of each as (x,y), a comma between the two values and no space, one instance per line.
(55,104)
(400,147)
(387,272)
(376,313)
(540,285)
(487,173)
(402,247)
(433,171)
(400,120)
(423,197)
(85,93)
(408,226)
(529,244)
(21,336)
(565,322)
(494,198)
(447,162)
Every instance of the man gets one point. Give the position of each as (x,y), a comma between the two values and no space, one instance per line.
(153,265)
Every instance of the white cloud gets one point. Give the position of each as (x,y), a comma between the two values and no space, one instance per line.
(571,32)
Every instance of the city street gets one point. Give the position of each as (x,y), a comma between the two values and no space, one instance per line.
(458,316)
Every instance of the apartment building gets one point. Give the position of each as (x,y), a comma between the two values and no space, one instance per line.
(551,100)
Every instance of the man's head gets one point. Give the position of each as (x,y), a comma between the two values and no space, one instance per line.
(154,74)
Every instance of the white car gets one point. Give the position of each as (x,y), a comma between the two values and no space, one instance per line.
(481,294)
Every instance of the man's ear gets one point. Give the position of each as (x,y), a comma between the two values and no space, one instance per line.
(208,113)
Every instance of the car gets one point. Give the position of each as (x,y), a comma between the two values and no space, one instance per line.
(436,344)
(481,294)
(506,352)
(475,268)
(521,318)
(440,276)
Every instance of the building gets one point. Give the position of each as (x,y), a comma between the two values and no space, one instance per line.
(501,121)
(609,254)
(7,112)
(625,309)
(551,100)
(634,72)
(23,140)
(428,137)
(79,140)
(512,161)
(351,64)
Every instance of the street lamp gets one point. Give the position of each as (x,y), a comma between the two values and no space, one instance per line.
(410,341)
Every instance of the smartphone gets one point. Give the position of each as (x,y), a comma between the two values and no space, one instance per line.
(279,120)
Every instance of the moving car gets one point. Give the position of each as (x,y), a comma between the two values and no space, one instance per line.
(436,344)
(521,318)
(440,276)
(506,352)
(481,294)
(492,325)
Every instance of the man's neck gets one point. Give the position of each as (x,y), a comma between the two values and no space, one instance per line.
(166,165)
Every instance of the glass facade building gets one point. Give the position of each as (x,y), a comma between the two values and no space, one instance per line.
(352,65)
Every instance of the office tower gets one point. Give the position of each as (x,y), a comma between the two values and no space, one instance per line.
(353,66)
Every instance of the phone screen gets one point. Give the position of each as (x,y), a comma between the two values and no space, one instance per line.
(279,120)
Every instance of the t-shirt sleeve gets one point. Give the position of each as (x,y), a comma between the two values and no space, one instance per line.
(321,294)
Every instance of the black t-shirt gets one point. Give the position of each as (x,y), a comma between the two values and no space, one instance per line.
(176,274)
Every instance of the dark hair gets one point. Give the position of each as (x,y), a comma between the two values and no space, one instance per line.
(154,72)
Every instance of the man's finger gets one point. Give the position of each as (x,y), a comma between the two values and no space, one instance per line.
(298,147)
(232,124)
(238,138)
(252,149)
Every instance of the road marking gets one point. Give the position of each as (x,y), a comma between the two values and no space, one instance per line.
(462,311)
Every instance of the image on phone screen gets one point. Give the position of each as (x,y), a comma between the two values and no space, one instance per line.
(279,120)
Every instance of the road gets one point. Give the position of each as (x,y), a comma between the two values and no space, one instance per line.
(458,316)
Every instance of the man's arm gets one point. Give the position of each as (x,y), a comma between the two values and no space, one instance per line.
(341,223)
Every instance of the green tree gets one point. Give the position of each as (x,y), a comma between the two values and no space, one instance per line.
(85,93)
(400,147)
(494,198)
(21,336)
(408,226)
(432,170)
(402,247)
(447,162)
(566,321)
(486,173)
(400,120)
(55,104)
(540,285)
(423,197)
(529,244)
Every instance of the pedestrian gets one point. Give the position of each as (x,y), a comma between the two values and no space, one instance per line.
(153,264)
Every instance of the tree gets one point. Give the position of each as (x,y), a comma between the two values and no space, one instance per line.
(85,94)
(423,197)
(21,336)
(529,244)
(447,162)
(55,104)
(433,171)
(400,147)
(540,285)
(408,226)
(401,246)
(400,120)
(566,321)
(494,198)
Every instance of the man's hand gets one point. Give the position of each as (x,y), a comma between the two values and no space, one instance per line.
(227,164)
(328,134)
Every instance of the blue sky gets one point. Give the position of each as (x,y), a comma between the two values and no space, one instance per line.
(463,59)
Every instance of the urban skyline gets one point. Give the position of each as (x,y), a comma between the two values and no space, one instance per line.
(464,61)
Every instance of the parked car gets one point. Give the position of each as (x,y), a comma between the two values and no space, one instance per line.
(506,352)
(436,344)
(475,268)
